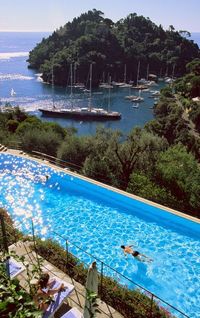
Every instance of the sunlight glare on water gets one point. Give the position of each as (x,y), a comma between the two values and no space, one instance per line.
(101,225)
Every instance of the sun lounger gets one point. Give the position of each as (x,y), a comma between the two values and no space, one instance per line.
(13,267)
(58,298)
(73,313)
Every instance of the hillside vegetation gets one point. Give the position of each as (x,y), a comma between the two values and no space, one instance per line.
(189,88)
(110,46)
(159,162)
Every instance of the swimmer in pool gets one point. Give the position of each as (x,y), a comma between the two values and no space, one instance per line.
(140,257)
(43,178)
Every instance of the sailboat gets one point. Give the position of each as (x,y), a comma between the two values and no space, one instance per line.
(138,85)
(135,105)
(138,98)
(82,113)
(130,97)
(125,84)
(12,92)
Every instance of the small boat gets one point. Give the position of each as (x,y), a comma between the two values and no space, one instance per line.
(137,99)
(154,94)
(135,105)
(125,85)
(12,92)
(79,85)
(140,87)
(143,81)
(152,83)
(118,84)
(85,90)
(105,85)
(134,98)
(168,80)
(130,97)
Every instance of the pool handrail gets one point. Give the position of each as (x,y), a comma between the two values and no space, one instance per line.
(153,296)
(147,292)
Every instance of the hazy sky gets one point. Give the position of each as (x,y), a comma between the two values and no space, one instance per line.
(48,15)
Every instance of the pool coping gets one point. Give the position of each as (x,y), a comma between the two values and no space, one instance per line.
(103,185)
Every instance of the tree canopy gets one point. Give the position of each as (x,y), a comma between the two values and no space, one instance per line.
(110,46)
(156,162)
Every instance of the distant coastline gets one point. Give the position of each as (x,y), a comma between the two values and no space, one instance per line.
(195,36)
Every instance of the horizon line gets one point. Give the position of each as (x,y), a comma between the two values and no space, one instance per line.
(50,31)
(27,31)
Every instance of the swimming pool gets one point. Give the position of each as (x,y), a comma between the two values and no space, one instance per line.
(100,221)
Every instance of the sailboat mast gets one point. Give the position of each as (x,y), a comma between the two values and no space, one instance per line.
(147,71)
(166,72)
(103,78)
(160,72)
(71,81)
(90,98)
(52,85)
(173,70)
(109,93)
(138,72)
(125,73)
(75,73)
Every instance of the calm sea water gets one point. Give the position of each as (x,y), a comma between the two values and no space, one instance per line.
(32,93)
(196,38)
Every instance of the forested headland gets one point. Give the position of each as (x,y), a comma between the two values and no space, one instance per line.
(110,46)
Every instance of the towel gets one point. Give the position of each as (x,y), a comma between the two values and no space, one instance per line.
(14,268)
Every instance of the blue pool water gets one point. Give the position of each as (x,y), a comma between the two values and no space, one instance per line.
(100,221)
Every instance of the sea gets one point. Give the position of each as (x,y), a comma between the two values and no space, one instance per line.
(23,87)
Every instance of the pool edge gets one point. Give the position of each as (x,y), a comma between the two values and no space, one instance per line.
(103,185)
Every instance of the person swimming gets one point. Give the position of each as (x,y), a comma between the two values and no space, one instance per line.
(139,256)
(42,178)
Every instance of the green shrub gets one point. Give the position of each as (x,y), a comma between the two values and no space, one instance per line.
(15,301)
(12,235)
(12,125)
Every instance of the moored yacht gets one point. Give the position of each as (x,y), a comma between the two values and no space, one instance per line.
(81,113)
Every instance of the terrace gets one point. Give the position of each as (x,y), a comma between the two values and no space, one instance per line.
(76,298)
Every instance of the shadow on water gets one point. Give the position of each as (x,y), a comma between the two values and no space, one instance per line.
(142,276)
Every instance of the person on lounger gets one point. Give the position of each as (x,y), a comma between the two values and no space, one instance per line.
(45,291)
(140,257)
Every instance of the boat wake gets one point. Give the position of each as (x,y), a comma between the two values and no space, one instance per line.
(9,55)
(32,104)
(11,77)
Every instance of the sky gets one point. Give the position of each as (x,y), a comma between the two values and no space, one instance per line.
(49,15)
